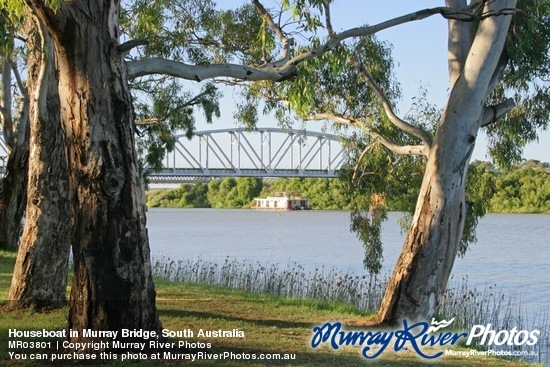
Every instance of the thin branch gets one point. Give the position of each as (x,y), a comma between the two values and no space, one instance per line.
(195,100)
(267,17)
(150,121)
(328,21)
(447,13)
(359,160)
(17,37)
(18,79)
(287,43)
(351,121)
(156,120)
(398,122)
(127,46)
(339,119)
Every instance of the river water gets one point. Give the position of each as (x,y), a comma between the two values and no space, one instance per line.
(513,251)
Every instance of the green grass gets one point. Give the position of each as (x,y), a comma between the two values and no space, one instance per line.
(271,325)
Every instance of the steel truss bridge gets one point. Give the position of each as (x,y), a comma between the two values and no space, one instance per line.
(238,152)
(262,152)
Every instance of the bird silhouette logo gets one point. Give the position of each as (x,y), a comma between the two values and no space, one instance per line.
(436,325)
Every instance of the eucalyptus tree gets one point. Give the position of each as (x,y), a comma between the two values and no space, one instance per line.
(40,273)
(488,63)
(14,107)
(112,285)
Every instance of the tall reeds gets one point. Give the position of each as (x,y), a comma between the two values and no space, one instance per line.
(503,310)
(361,291)
(467,304)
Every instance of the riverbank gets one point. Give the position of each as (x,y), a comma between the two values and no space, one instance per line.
(279,326)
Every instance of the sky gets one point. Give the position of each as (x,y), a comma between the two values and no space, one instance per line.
(420,55)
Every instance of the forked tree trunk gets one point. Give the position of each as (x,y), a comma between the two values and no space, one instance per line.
(424,266)
(112,286)
(40,273)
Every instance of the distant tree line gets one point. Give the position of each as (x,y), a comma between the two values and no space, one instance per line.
(524,189)
(326,194)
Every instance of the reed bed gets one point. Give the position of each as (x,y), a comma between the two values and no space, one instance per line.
(361,291)
(467,304)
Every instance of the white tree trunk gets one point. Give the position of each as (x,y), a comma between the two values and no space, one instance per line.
(426,261)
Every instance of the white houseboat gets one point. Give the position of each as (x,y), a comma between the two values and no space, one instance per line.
(283,201)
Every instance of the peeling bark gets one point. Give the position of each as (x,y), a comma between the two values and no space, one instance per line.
(112,286)
(40,273)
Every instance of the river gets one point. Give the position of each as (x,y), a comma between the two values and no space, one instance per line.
(513,251)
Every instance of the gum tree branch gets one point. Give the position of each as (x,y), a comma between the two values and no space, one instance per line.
(156,120)
(129,45)
(493,113)
(267,17)
(202,72)
(18,79)
(287,43)
(398,122)
(328,21)
(282,69)
(351,121)
(359,160)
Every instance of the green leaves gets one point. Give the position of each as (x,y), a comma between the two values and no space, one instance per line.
(525,189)
(234,193)
(165,109)
(526,76)
(196,32)
(12,10)
(306,12)
(10,22)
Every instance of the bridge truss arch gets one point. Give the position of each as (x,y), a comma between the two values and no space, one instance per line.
(262,152)
(238,152)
